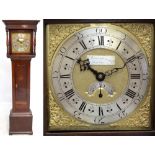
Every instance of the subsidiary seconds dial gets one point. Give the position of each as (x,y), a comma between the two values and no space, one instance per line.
(99,74)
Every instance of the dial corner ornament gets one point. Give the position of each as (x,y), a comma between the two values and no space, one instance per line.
(99,74)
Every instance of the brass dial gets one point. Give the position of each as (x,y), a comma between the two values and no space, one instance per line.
(21,42)
(99,74)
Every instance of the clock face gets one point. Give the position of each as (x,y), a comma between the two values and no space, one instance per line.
(21,42)
(99,74)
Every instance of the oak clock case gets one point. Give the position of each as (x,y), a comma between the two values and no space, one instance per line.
(21,38)
(98,77)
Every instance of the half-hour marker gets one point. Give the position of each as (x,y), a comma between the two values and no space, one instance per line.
(101,40)
(69,93)
(69,58)
(83,44)
(55,74)
(135,76)
(100,110)
(145,76)
(83,106)
(118,106)
(79,35)
(65,76)
(130,93)
(118,45)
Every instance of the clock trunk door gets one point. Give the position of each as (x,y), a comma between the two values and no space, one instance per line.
(21,85)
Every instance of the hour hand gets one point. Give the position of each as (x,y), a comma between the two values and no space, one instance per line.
(85,65)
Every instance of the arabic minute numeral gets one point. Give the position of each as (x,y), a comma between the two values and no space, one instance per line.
(62,51)
(55,74)
(138,98)
(122,114)
(79,35)
(77,114)
(145,76)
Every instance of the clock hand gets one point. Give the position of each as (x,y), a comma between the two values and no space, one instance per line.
(100,94)
(110,72)
(85,65)
(100,76)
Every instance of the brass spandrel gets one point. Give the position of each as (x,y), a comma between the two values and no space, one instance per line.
(61,120)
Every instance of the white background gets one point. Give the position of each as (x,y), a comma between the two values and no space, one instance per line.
(52,9)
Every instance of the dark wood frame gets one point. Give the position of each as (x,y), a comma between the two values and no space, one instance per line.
(46,132)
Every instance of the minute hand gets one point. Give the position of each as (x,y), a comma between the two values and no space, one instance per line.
(110,72)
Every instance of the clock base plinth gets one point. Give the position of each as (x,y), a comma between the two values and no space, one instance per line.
(20,123)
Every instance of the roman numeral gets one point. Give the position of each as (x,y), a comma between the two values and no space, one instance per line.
(69,93)
(101,40)
(100,110)
(69,58)
(83,44)
(83,106)
(130,93)
(65,76)
(132,58)
(99,30)
(55,74)
(135,76)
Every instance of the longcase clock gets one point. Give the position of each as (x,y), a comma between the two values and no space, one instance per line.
(21,41)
